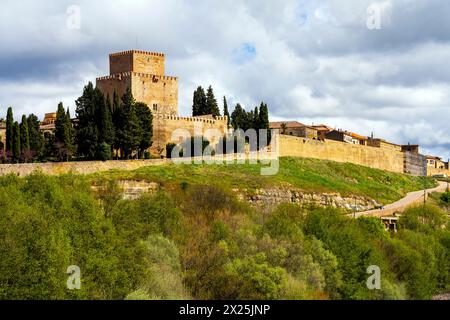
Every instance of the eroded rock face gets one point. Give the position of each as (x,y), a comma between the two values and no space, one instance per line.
(134,189)
(275,196)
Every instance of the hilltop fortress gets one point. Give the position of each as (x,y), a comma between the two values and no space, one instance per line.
(144,73)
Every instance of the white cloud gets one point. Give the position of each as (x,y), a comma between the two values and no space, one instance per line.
(314,61)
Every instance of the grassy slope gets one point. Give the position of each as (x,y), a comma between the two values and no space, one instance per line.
(310,175)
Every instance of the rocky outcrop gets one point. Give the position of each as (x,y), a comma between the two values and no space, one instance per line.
(275,196)
(132,189)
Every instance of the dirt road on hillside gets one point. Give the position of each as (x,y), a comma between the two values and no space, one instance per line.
(400,205)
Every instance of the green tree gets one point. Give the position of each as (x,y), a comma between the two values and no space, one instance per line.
(132,130)
(263,122)
(105,123)
(199,102)
(211,103)
(86,128)
(16,142)
(146,118)
(36,137)
(225,111)
(118,117)
(238,117)
(64,135)
(9,130)
(24,135)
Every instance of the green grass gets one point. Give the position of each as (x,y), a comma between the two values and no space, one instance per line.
(309,175)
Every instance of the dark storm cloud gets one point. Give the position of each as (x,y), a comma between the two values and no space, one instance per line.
(314,61)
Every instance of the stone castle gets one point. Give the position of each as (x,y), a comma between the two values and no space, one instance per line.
(144,73)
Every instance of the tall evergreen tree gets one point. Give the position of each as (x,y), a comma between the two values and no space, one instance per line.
(36,137)
(146,118)
(211,103)
(225,110)
(60,124)
(118,118)
(105,123)
(24,135)
(86,128)
(237,117)
(264,121)
(132,129)
(69,138)
(9,130)
(64,136)
(199,102)
(16,142)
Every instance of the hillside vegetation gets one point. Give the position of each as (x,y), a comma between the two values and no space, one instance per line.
(195,239)
(310,175)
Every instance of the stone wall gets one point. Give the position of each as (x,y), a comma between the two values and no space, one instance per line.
(434,171)
(415,164)
(165,125)
(137,61)
(379,158)
(161,91)
(86,167)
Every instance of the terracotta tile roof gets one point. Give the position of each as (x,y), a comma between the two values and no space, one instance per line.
(289,124)
(356,136)
(322,127)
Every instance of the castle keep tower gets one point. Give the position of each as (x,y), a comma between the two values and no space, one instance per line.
(144,73)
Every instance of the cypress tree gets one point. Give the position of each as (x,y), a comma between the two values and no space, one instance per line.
(16,142)
(264,121)
(105,123)
(9,130)
(211,103)
(86,128)
(24,135)
(225,110)
(69,135)
(132,129)
(145,118)
(237,117)
(36,138)
(199,103)
(256,121)
(60,124)
(118,118)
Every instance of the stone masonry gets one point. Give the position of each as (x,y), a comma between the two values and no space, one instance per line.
(144,73)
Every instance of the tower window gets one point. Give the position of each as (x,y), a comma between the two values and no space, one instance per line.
(155,107)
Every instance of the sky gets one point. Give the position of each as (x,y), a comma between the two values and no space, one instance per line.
(367,66)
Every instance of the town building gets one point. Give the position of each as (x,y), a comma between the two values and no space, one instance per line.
(436,162)
(295,128)
(381,143)
(414,163)
(322,130)
(3,133)
(48,124)
(339,135)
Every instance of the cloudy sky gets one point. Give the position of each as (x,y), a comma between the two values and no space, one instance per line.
(311,61)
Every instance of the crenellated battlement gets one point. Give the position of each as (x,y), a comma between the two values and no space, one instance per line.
(128,52)
(129,74)
(191,119)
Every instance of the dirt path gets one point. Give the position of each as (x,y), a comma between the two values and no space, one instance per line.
(400,205)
